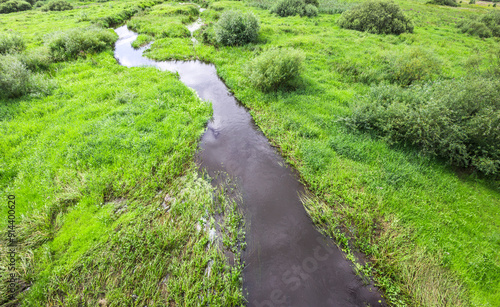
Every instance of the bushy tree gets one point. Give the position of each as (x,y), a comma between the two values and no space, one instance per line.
(285,8)
(236,28)
(376,17)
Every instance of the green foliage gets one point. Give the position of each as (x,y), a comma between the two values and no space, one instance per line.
(79,42)
(474,27)
(36,59)
(487,25)
(14,6)
(312,2)
(376,17)
(335,6)
(415,65)
(452,3)
(11,43)
(236,28)
(310,10)
(142,40)
(118,18)
(276,68)
(285,8)
(14,77)
(57,5)
(16,80)
(452,119)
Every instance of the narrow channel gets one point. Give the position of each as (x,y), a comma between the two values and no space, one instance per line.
(287,261)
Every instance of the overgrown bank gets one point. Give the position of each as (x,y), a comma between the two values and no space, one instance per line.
(109,208)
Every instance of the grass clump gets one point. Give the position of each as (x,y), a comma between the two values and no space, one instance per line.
(14,6)
(452,3)
(76,42)
(11,43)
(453,119)
(236,28)
(57,5)
(485,26)
(142,40)
(376,17)
(276,68)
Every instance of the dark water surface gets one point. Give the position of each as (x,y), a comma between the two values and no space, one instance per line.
(287,261)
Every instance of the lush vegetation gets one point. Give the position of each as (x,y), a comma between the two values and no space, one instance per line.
(285,8)
(396,137)
(487,25)
(110,209)
(276,68)
(457,120)
(376,17)
(444,2)
(236,28)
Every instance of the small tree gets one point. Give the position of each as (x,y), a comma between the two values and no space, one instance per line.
(236,28)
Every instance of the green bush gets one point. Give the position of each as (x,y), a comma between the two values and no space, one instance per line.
(79,42)
(285,8)
(276,68)
(456,120)
(335,6)
(415,65)
(11,43)
(376,17)
(312,2)
(17,80)
(36,59)
(236,28)
(14,6)
(57,5)
(492,21)
(310,10)
(474,27)
(487,25)
(444,2)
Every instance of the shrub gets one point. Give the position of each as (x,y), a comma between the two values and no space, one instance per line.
(36,59)
(335,6)
(276,68)
(310,10)
(376,17)
(17,80)
(236,28)
(14,6)
(312,2)
(415,65)
(14,77)
(57,5)
(474,27)
(78,42)
(457,120)
(11,43)
(285,8)
(492,21)
(444,2)
(487,25)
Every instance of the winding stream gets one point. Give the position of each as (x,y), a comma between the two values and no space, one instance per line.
(287,261)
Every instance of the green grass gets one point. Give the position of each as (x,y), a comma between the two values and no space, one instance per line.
(431,231)
(108,199)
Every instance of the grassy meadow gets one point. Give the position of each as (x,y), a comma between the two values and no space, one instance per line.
(108,197)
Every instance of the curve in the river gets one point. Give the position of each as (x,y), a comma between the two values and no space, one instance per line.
(287,261)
